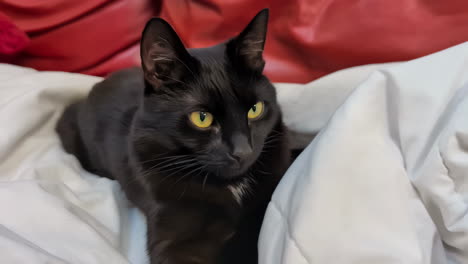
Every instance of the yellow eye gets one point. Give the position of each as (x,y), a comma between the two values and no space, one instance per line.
(201,119)
(256,111)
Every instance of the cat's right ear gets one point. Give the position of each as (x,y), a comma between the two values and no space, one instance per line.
(163,56)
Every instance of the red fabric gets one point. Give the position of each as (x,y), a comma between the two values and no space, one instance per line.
(307,38)
(88,36)
(310,38)
(12,39)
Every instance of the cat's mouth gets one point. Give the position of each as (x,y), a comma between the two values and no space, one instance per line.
(228,170)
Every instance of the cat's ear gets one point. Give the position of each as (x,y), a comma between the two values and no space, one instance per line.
(247,47)
(163,56)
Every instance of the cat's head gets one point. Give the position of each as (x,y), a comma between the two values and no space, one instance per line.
(212,105)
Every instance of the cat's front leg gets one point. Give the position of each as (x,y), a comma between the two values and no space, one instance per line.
(186,235)
(155,259)
(171,252)
(165,250)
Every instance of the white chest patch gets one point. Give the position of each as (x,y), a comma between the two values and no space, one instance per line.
(240,189)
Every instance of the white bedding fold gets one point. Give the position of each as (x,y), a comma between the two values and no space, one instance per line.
(386,180)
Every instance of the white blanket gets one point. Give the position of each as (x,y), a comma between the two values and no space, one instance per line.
(51,210)
(386,181)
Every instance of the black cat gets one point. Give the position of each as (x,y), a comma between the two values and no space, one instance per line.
(195,138)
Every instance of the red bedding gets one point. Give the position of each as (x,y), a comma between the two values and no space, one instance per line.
(12,39)
(307,38)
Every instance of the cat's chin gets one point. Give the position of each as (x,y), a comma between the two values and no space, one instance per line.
(230,173)
(228,170)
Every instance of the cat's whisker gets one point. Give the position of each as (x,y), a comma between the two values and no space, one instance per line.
(185,175)
(170,164)
(177,171)
(259,160)
(204,181)
(273,138)
(162,160)
(276,135)
(268,147)
(185,189)
(270,140)
(168,167)
(163,157)
(279,133)
(189,183)
(167,162)
(264,172)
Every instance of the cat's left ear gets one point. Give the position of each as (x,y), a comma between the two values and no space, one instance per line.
(164,58)
(247,48)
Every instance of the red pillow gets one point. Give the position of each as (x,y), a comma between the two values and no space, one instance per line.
(307,38)
(12,39)
(310,38)
(88,36)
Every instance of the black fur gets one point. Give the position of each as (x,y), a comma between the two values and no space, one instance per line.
(134,127)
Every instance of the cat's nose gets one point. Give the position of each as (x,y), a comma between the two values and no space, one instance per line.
(241,147)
